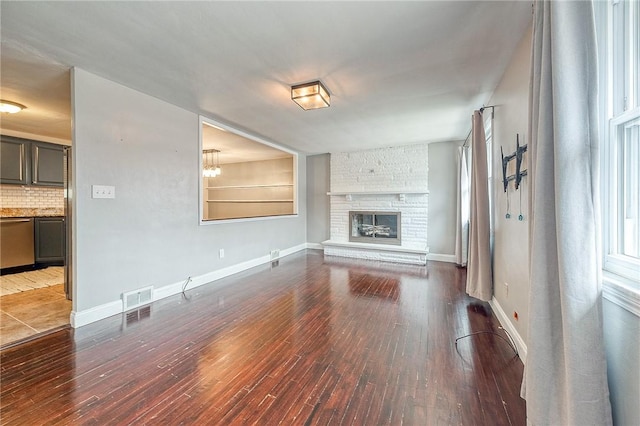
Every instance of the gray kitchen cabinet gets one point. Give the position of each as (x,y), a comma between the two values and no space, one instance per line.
(27,162)
(47,162)
(49,238)
(15,160)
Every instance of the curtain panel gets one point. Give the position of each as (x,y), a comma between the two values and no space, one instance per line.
(565,374)
(479,274)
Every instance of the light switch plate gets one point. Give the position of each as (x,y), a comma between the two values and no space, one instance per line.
(103,191)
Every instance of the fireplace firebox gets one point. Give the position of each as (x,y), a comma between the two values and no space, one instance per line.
(374,227)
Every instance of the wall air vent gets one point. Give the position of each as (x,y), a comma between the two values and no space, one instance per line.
(139,297)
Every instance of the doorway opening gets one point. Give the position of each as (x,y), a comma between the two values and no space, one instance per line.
(35,285)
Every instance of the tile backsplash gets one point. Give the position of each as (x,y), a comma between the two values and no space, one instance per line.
(17,196)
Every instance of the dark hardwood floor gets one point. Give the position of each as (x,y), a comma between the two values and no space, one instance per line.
(310,341)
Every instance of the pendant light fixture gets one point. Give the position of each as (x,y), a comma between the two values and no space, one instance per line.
(211,163)
(311,95)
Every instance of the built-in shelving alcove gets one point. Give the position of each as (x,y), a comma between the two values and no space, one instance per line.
(254,178)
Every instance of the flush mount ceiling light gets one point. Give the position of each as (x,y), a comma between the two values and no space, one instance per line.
(10,107)
(311,95)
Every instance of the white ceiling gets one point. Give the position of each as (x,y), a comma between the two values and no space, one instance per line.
(398,72)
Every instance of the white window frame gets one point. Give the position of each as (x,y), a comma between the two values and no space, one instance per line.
(615,262)
(619,104)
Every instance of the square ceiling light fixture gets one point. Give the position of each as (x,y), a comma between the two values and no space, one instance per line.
(311,95)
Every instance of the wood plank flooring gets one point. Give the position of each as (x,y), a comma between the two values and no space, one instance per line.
(311,341)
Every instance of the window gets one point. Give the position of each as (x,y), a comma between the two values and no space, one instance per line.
(488,136)
(622,206)
(618,28)
(243,177)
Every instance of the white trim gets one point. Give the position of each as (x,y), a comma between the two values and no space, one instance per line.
(437,257)
(245,219)
(291,250)
(315,246)
(78,319)
(616,291)
(503,318)
(171,289)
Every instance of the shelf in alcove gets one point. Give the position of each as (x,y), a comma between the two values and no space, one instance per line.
(251,186)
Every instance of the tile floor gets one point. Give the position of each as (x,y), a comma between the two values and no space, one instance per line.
(27,313)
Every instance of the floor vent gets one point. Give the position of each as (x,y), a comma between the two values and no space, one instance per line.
(139,314)
(135,298)
(275,254)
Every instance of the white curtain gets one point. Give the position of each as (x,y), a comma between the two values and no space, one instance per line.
(565,379)
(462,208)
(479,275)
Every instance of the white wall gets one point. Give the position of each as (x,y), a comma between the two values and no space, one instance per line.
(511,236)
(443,164)
(317,199)
(150,233)
(622,343)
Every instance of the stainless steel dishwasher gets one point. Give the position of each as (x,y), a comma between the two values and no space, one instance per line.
(16,242)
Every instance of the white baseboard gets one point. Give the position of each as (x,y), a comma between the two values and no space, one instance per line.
(291,250)
(315,246)
(451,258)
(80,318)
(507,325)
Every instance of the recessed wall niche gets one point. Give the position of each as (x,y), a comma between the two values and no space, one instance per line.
(256,178)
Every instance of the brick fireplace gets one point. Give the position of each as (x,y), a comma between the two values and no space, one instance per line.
(386,181)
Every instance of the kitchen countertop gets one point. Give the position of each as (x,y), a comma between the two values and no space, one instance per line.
(30,212)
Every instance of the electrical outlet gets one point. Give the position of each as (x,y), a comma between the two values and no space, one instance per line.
(221,253)
(506,288)
(275,254)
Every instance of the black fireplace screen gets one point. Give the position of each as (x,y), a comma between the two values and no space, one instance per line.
(375,227)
